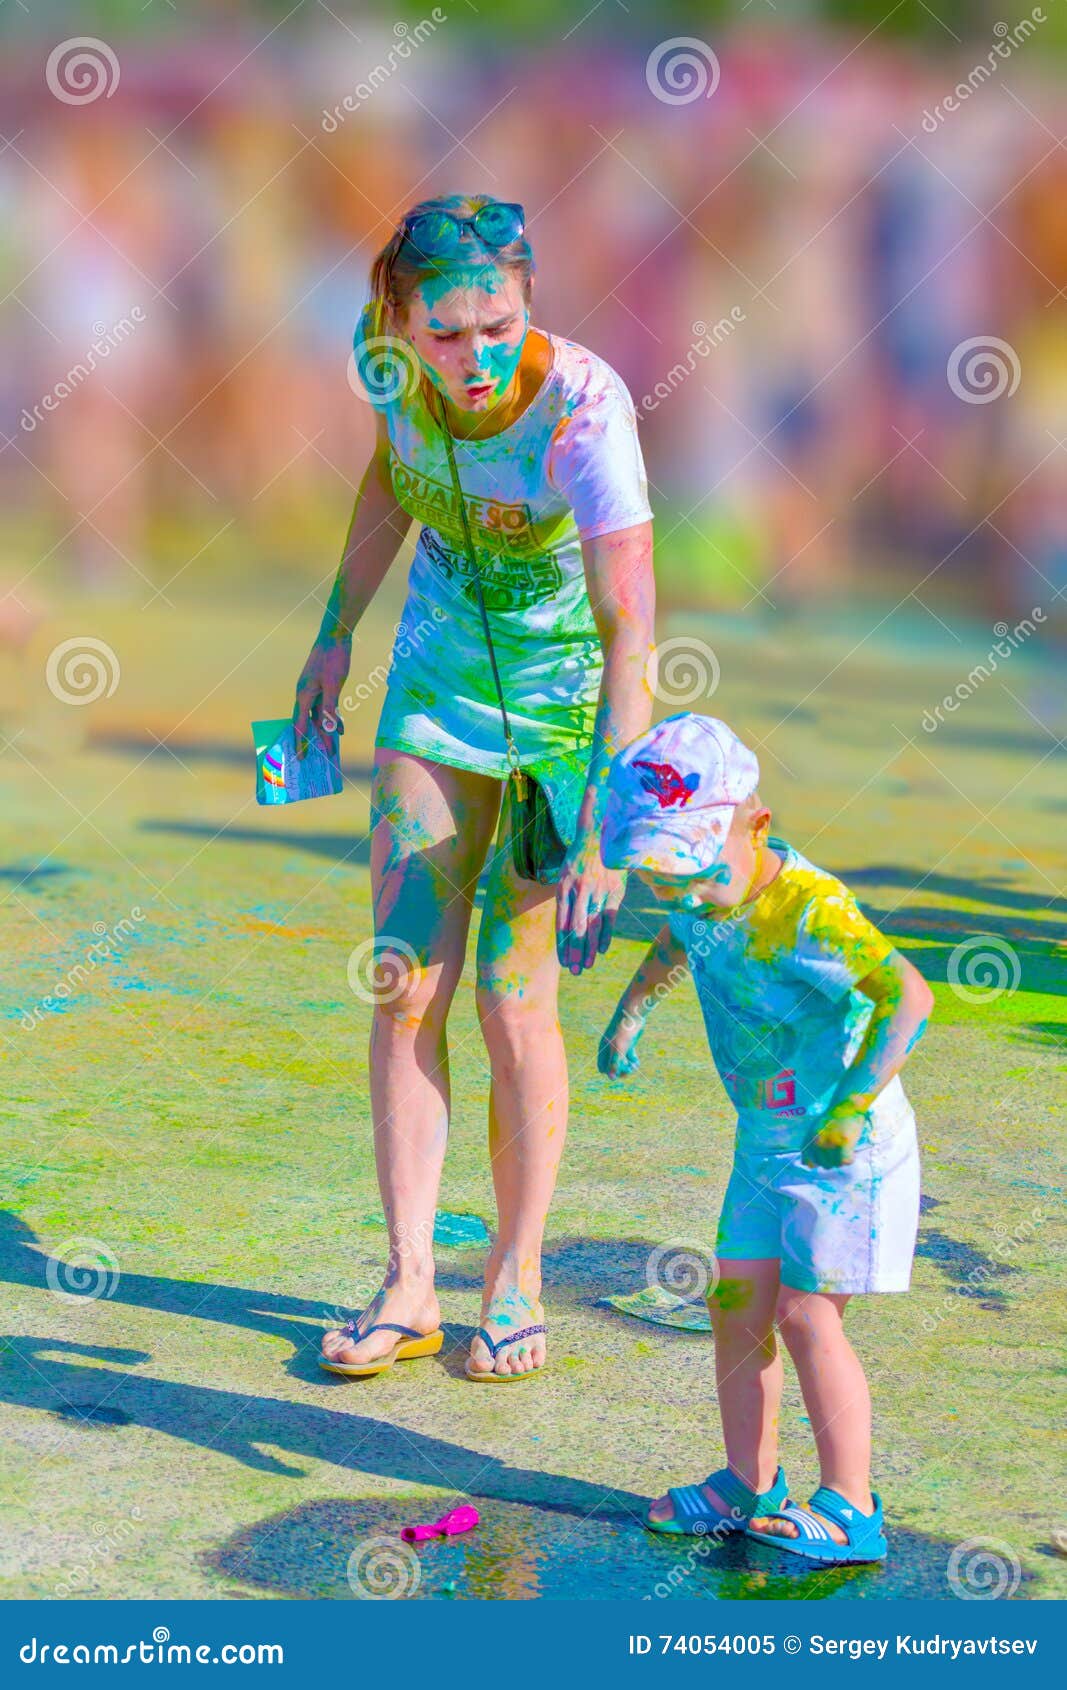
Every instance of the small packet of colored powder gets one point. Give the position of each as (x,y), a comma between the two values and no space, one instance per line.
(284,778)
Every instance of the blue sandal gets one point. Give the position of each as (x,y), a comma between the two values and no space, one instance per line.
(409,1345)
(695,1516)
(482,1376)
(866,1539)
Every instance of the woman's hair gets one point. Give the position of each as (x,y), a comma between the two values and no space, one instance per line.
(398,269)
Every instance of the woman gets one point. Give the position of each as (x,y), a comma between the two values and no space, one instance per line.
(546,449)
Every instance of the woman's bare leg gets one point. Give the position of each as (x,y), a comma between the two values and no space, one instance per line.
(431,826)
(518,979)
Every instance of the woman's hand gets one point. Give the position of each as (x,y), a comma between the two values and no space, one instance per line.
(587,902)
(618,1044)
(319,689)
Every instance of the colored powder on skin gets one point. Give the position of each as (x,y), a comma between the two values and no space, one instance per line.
(732,1294)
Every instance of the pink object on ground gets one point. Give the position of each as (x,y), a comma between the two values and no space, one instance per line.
(459,1520)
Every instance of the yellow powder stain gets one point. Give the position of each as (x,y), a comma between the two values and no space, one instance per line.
(833,918)
(251,924)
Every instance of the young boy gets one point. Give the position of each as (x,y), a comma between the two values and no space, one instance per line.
(810,1014)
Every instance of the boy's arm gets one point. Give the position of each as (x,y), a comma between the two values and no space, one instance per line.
(902,1004)
(662,966)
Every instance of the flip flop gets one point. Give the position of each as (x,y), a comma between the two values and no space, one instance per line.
(491,1378)
(407,1347)
(695,1516)
(866,1539)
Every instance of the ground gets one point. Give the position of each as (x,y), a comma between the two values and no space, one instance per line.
(188,1119)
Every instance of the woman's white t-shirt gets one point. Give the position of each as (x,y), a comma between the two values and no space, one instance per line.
(568,469)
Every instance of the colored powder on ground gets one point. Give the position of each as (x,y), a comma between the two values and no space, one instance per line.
(451,1231)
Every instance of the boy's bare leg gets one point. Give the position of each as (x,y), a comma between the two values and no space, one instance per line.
(748,1374)
(835,1396)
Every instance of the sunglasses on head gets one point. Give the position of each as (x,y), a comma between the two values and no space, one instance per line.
(441,234)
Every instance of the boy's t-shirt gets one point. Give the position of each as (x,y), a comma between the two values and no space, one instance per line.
(777,989)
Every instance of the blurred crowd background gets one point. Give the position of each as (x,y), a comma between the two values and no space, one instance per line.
(836,290)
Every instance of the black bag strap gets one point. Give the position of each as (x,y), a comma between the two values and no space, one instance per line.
(457,488)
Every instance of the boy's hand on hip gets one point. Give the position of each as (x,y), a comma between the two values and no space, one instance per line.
(618,1044)
(833,1146)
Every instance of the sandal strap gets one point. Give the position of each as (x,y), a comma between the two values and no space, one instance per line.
(381,1326)
(493,1345)
(690,1503)
(736,1494)
(833,1506)
(809,1529)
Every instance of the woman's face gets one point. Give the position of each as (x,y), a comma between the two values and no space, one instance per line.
(469,327)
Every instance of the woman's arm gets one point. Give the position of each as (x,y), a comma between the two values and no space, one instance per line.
(621,586)
(375,532)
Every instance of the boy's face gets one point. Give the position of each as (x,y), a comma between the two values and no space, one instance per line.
(725,884)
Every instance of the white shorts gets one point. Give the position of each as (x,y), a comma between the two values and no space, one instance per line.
(840,1230)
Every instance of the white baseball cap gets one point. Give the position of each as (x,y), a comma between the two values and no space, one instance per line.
(672,794)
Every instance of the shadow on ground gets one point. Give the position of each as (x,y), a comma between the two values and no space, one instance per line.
(521,1550)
